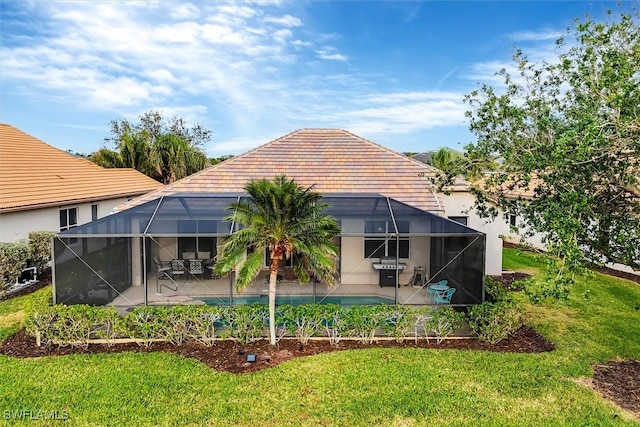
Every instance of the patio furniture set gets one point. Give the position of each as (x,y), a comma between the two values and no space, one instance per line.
(437,293)
(196,264)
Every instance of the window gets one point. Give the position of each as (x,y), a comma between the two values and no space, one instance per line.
(197,244)
(378,246)
(459,219)
(68,218)
(513,220)
(94,212)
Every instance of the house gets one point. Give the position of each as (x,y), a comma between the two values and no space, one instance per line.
(43,188)
(395,238)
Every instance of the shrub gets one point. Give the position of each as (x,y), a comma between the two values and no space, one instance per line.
(443,321)
(397,321)
(107,324)
(421,318)
(334,322)
(39,249)
(246,323)
(303,321)
(496,290)
(493,322)
(147,323)
(203,322)
(362,321)
(73,325)
(13,259)
(40,326)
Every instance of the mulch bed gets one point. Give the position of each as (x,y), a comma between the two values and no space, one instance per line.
(509,278)
(230,356)
(620,382)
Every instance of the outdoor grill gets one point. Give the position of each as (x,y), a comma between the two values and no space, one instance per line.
(387,267)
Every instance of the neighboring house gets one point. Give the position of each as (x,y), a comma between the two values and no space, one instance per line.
(43,188)
(389,216)
(508,227)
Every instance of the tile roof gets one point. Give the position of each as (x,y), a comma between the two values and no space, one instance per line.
(335,161)
(34,174)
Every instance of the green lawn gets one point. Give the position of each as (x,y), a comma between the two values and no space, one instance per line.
(402,387)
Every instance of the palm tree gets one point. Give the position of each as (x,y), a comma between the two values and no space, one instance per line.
(172,157)
(287,220)
(167,158)
(443,158)
(132,151)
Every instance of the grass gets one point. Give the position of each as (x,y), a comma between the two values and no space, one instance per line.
(387,387)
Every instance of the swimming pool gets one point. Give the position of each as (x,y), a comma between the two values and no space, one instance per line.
(301,299)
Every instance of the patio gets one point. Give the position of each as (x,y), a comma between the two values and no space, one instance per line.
(122,259)
(217,291)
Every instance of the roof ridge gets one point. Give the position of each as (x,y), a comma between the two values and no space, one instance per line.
(389,150)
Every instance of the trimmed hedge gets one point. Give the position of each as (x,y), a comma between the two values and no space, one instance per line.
(13,259)
(77,324)
(39,249)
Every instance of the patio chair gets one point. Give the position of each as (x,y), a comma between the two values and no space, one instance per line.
(419,277)
(444,296)
(195,266)
(177,266)
(163,269)
(432,289)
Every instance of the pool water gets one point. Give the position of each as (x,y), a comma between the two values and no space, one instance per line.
(302,299)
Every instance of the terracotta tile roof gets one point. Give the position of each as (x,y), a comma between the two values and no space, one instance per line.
(520,190)
(34,174)
(335,161)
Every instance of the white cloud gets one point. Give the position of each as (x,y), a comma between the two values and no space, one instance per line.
(281,36)
(300,43)
(285,21)
(240,11)
(241,66)
(536,35)
(115,56)
(184,11)
(330,53)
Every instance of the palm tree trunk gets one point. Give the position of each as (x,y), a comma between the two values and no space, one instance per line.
(272,305)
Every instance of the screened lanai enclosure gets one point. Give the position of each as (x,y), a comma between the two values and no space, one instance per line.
(163,252)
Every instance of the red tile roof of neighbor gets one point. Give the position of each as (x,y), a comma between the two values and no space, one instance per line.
(335,161)
(34,175)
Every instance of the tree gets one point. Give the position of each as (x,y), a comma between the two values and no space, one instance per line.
(166,150)
(288,221)
(444,159)
(568,133)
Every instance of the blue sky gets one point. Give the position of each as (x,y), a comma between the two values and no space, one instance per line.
(393,72)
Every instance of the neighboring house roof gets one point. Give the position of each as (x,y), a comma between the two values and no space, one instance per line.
(335,161)
(34,175)
(424,157)
(511,189)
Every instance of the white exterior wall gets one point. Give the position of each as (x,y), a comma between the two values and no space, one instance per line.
(16,226)
(461,204)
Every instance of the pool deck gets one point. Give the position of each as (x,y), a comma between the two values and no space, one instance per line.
(190,291)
